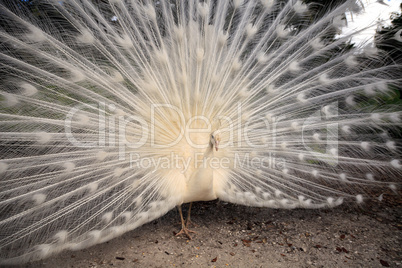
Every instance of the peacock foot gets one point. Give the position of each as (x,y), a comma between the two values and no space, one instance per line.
(190,222)
(185,231)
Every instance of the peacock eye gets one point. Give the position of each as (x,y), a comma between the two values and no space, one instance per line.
(213,136)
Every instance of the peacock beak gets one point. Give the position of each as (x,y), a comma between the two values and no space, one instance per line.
(216,145)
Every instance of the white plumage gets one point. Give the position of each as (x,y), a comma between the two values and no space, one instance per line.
(114,113)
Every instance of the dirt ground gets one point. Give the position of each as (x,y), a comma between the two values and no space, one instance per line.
(237,236)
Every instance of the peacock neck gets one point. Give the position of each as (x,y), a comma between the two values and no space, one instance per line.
(200,184)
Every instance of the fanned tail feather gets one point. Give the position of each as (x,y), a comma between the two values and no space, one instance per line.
(97,101)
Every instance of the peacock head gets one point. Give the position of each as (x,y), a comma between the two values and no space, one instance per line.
(215,139)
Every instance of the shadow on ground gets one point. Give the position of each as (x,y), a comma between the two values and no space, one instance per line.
(236,236)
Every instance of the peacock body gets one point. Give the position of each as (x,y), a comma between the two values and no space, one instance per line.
(113,113)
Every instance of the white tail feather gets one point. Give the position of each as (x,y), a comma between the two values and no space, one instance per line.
(112,115)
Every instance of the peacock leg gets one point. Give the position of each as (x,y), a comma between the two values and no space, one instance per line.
(184,229)
(188,221)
